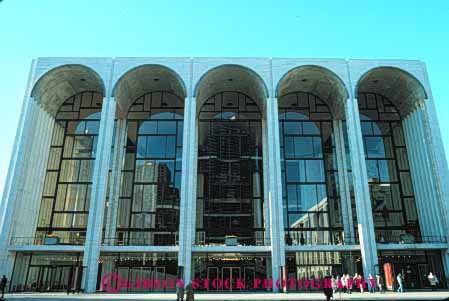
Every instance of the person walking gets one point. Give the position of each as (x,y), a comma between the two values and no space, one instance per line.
(360,283)
(189,293)
(379,282)
(400,283)
(334,284)
(3,283)
(371,283)
(433,280)
(349,283)
(180,292)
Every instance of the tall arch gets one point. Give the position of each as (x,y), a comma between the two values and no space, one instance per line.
(399,86)
(231,78)
(319,81)
(57,85)
(144,79)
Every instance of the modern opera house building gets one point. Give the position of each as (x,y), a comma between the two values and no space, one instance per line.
(214,168)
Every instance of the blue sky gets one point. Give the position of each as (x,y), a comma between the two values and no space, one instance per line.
(408,29)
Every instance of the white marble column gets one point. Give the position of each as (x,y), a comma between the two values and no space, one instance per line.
(343,182)
(33,175)
(275,190)
(361,189)
(266,205)
(187,215)
(98,195)
(10,190)
(423,177)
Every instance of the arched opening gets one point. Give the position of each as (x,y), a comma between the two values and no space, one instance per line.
(312,211)
(73,96)
(401,88)
(230,202)
(386,95)
(61,83)
(309,99)
(150,108)
(144,79)
(231,78)
(150,112)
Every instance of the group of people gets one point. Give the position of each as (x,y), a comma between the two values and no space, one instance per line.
(433,281)
(347,283)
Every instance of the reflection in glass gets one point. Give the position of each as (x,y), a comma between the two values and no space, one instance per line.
(148,211)
(147,271)
(311,203)
(66,193)
(312,265)
(391,189)
(230,190)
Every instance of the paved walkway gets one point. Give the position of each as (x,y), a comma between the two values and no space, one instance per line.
(423,295)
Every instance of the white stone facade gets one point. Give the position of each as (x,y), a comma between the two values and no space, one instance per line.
(339,80)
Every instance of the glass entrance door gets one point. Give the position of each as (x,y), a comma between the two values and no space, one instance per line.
(212,274)
(155,275)
(52,278)
(229,278)
(249,274)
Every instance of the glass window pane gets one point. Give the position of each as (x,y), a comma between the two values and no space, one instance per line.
(308,197)
(310,128)
(372,171)
(374,147)
(148,127)
(292,198)
(303,147)
(387,170)
(141,146)
(292,128)
(166,127)
(317,147)
(289,147)
(156,146)
(315,171)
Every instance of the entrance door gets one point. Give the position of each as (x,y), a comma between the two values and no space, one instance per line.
(212,274)
(249,274)
(159,274)
(231,274)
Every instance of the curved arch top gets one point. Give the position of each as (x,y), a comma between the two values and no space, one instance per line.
(317,80)
(402,88)
(146,78)
(58,84)
(231,77)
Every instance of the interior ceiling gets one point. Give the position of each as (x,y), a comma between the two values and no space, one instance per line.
(231,78)
(145,79)
(401,88)
(59,84)
(318,81)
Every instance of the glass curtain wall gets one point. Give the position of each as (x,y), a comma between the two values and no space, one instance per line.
(148,211)
(389,177)
(312,211)
(230,180)
(65,201)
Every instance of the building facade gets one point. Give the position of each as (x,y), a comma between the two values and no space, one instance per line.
(224,168)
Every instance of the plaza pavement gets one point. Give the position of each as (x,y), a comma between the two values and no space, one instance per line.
(407,296)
